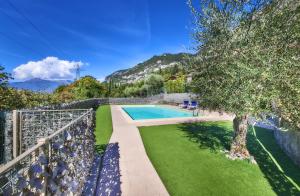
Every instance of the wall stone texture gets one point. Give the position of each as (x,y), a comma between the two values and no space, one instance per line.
(6,136)
(178,97)
(289,141)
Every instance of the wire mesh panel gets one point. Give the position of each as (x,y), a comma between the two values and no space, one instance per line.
(5,136)
(57,165)
(35,124)
(2,122)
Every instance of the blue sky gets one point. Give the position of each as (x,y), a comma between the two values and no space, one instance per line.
(100,35)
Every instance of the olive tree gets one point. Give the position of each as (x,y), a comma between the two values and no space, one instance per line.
(155,84)
(4,77)
(237,68)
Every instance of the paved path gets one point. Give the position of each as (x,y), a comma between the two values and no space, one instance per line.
(138,176)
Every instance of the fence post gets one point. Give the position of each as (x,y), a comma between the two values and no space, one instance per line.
(16,131)
(46,150)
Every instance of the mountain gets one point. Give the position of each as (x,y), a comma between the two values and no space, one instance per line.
(39,85)
(151,65)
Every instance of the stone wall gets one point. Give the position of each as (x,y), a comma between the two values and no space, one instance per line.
(5,136)
(6,124)
(2,135)
(178,97)
(38,124)
(59,165)
(81,104)
(135,100)
(289,141)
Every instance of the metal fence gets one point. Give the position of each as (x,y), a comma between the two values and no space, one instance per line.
(32,125)
(6,136)
(57,164)
(2,135)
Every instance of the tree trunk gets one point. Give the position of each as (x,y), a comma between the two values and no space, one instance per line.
(238,146)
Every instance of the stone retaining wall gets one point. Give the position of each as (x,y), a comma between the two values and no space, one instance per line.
(6,136)
(178,97)
(135,100)
(289,141)
(58,165)
(81,104)
(6,124)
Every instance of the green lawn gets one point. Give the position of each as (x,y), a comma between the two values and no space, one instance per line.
(104,128)
(188,159)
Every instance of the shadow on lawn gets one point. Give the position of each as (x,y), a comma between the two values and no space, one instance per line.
(277,179)
(209,135)
(214,136)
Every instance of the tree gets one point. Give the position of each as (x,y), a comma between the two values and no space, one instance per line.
(155,84)
(4,77)
(144,90)
(11,98)
(238,67)
(64,93)
(132,91)
(88,87)
(282,40)
(84,88)
(176,86)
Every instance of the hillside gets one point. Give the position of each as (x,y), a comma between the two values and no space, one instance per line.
(39,85)
(151,65)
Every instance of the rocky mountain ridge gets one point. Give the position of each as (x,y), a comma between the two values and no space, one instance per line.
(152,65)
(39,85)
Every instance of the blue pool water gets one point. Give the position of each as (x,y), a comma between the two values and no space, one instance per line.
(154,112)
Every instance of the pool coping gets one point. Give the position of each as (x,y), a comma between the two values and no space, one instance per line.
(130,120)
(203,116)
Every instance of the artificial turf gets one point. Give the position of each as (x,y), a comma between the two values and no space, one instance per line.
(189,161)
(104,128)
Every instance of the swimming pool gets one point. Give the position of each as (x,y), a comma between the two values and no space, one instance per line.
(154,112)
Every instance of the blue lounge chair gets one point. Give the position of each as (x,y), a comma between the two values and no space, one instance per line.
(185,104)
(193,105)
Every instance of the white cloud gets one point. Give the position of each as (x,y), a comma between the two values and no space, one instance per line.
(48,68)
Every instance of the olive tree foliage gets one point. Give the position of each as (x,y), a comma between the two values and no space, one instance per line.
(247,58)
(132,91)
(151,85)
(87,87)
(282,40)
(84,88)
(4,77)
(155,84)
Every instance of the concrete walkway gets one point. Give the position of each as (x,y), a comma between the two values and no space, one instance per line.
(138,176)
